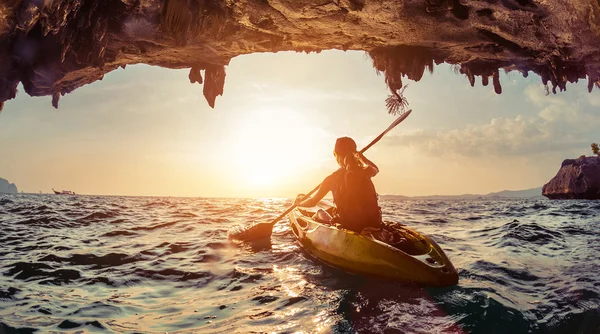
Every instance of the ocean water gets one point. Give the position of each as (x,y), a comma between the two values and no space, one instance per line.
(151,264)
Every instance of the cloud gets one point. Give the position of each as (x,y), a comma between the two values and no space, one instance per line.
(537,95)
(560,126)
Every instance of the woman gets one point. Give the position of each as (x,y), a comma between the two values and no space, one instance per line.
(353,191)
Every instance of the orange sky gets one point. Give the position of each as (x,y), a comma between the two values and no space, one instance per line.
(148,131)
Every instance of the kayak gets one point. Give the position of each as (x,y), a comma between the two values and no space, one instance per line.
(394,252)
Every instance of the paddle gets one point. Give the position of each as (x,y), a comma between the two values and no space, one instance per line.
(263,230)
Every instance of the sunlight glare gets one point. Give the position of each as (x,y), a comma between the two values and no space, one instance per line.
(270,145)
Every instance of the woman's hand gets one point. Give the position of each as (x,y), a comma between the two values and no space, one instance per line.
(299,199)
(368,163)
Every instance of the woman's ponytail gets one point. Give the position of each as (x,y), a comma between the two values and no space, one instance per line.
(351,160)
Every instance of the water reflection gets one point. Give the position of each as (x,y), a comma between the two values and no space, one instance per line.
(162,265)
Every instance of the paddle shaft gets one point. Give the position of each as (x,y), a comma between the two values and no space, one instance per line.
(373,142)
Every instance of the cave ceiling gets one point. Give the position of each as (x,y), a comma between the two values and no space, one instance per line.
(53,47)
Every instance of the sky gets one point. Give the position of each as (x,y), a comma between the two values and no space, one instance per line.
(147,131)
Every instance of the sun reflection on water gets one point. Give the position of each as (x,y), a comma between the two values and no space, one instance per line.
(292,282)
(323,322)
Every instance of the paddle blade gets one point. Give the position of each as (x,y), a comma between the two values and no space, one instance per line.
(250,232)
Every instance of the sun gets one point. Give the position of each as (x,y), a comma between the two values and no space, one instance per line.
(270,146)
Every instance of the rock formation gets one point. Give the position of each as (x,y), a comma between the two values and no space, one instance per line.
(6,187)
(576,179)
(55,46)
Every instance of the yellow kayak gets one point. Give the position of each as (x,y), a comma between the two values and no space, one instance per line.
(396,252)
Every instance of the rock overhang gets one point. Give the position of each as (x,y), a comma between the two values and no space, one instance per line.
(53,47)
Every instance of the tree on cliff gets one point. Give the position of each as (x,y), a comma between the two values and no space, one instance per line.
(595,149)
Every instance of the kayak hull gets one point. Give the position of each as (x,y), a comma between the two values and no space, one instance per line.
(418,259)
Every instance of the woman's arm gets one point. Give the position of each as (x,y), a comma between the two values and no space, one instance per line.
(323,190)
(370,164)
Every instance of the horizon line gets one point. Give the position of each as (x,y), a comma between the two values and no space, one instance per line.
(271,197)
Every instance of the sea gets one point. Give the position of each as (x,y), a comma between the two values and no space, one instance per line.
(105,264)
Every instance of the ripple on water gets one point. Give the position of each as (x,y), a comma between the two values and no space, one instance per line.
(112,260)
(139,264)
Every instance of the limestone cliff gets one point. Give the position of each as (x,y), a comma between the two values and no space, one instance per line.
(6,187)
(55,46)
(576,179)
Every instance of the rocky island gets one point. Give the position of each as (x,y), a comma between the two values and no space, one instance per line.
(54,47)
(6,187)
(576,179)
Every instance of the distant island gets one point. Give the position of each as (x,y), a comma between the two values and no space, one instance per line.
(6,187)
(527,193)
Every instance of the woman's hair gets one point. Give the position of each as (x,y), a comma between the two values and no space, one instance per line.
(345,148)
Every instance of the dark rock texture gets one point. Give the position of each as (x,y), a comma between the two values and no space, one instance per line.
(576,179)
(6,187)
(55,46)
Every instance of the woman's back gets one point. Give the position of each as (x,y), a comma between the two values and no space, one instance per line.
(356,199)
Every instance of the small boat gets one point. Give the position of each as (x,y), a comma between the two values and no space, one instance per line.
(394,252)
(64,192)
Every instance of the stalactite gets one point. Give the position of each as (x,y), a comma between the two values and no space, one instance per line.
(471,79)
(496,81)
(214,83)
(195,75)
(55,99)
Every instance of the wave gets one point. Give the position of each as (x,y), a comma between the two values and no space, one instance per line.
(112,260)
(135,264)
